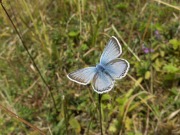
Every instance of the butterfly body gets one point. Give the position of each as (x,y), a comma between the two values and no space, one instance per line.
(100,67)
(106,72)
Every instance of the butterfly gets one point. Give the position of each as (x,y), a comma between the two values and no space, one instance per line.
(105,73)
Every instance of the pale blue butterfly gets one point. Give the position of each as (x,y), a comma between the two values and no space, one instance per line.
(105,73)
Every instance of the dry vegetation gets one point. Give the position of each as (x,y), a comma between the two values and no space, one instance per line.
(65,35)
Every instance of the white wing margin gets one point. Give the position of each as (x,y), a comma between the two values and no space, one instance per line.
(83,76)
(112,50)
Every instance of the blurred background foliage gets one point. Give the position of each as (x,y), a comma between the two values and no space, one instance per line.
(65,35)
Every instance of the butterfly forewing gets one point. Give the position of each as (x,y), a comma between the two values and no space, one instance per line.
(117,68)
(83,76)
(102,82)
(112,51)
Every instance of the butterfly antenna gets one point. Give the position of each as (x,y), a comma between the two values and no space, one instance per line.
(100,114)
(29,54)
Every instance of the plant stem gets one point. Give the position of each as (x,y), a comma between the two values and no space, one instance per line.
(125,44)
(65,113)
(100,114)
(21,119)
(32,59)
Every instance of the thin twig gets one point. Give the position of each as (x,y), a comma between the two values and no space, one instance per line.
(147,123)
(21,120)
(25,47)
(167,4)
(124,43)
(65,113)
(100,114)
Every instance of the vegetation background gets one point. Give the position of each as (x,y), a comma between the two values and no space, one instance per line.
(65,35)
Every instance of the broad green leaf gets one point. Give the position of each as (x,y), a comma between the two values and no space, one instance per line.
(84,47)
(73,33)
(162,53)
(154,56)
(170,68)
(175,43)
(106,97)
(122,5)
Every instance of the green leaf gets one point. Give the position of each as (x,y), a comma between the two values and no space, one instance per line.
(147,75)
(75,125)
(175,43)
(112,127)
(162,53)
(73,33)
(158,63)
(84,47)
(154,56)
(122,6)
(106,97)
(170,68)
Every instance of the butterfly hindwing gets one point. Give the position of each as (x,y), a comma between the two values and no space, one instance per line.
(102,82)
(83,76)
(112,51)
(117,68)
